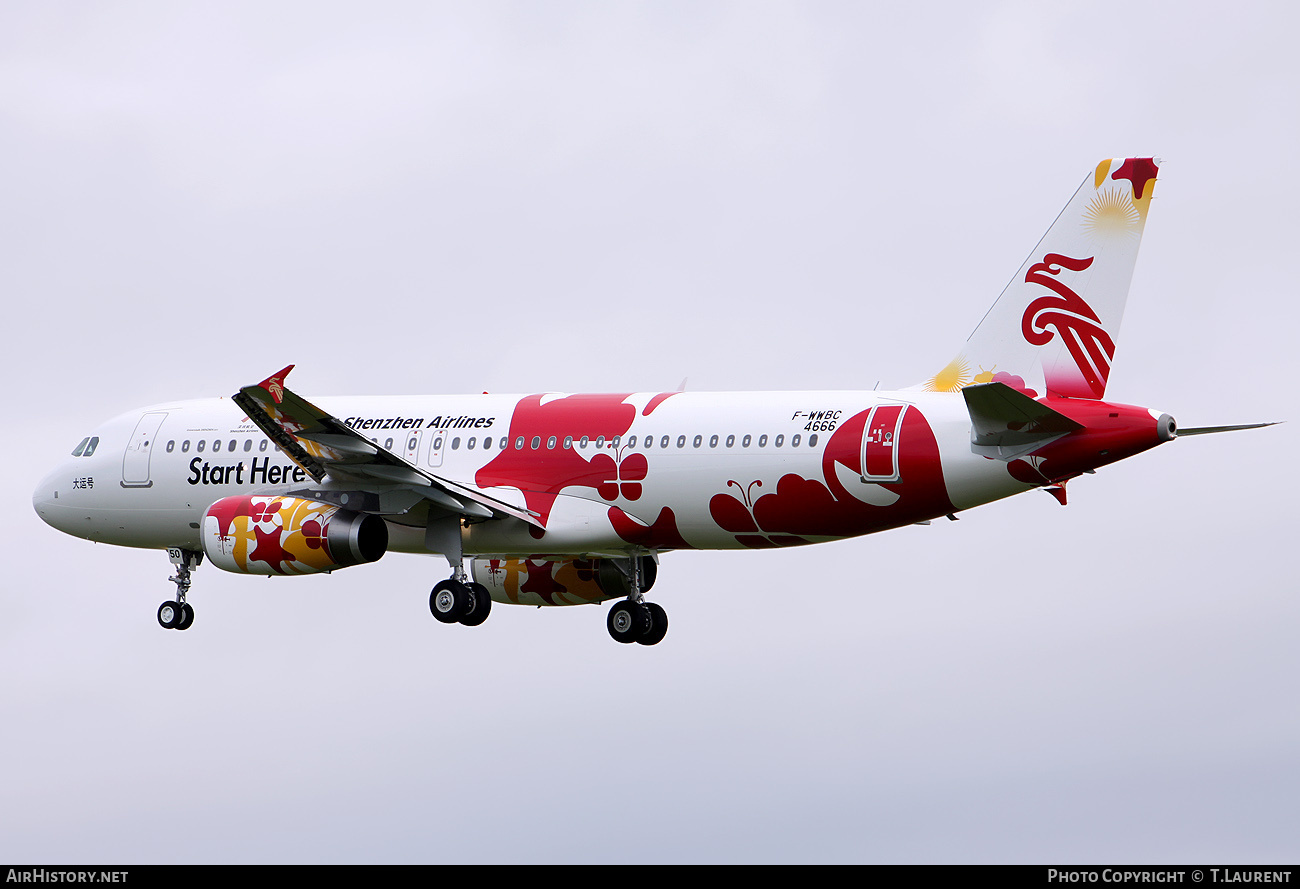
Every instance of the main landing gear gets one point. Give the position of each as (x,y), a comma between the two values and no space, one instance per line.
(455,601)
(643,622)
(179,615)
(634,619)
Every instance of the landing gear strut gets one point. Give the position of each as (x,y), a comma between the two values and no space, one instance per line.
(634,619)
(456,600)
(179,615)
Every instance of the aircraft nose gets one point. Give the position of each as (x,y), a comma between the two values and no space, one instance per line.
(45,500)
(43,497)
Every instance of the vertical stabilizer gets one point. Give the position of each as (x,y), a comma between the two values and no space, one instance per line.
(1053,329)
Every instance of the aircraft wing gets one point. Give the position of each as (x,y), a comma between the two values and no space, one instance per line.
(332,452)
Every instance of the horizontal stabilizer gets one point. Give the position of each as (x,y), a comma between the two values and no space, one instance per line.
(1006,424)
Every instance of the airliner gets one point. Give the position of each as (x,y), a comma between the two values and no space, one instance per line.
(561,499)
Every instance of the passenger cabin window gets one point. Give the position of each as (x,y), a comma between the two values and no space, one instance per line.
(230,446)
(699,439)
(762,441)
(731,441)
(455,443)
(744,442)
(713,441)
(663,442)
(812,440)
(537,442)
(216,445)
(199,445)
(519,443)
(185,446)
(248,445)
(388,444)
(171,446)
(568,442)
(469,445)
(550,443)
(261,445)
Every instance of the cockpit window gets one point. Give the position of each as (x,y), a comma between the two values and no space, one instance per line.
(81,447)
(90,448)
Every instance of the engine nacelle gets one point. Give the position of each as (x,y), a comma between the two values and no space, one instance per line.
(561,581)
(289,535)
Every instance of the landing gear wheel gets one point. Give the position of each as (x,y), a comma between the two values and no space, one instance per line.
(187,616)
(169,615)
(480,605)
(658,625)
(628,621)
(449,601)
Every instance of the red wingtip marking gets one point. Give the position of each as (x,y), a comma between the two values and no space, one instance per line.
(275,384)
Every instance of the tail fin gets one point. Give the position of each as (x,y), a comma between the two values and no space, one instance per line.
(1053,329)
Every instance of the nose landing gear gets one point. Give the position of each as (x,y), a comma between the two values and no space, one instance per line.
(179,615)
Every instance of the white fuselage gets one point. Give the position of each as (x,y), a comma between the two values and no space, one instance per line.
(605,473)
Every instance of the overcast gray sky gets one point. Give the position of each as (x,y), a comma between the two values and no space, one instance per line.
(520,197)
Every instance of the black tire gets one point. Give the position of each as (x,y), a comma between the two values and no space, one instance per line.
(169,614)
(627,621)
(658,625)
(449,601)
(187,617)
(481,607)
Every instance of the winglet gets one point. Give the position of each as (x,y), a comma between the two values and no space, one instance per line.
(275,384)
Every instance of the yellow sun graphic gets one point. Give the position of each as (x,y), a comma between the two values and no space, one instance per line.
(1111,212)
(951,378)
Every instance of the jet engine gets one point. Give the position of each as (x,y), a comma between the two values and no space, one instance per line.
(560,581)
(289,535)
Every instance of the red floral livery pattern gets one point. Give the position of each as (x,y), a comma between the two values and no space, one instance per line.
(802,510)
(542,469)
